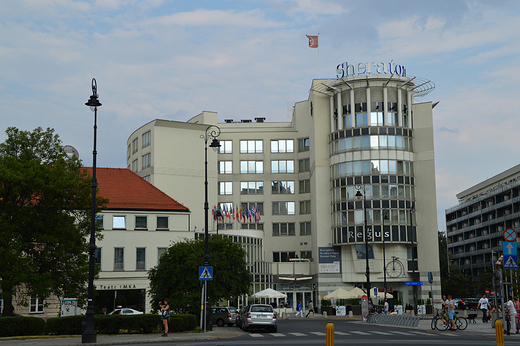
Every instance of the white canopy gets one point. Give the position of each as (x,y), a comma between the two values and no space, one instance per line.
(356,292)
(269,293)
(340,293)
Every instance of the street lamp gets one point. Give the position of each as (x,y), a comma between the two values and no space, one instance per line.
(359,194)
(385,217)
(412,209)
(212,132)
(89,332)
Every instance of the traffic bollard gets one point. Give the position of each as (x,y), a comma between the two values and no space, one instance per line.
(330,334)
(499,331)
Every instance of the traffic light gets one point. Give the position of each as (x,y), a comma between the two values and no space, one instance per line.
(497,279)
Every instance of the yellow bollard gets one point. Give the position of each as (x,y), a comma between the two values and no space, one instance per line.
(330,334)
(499,331)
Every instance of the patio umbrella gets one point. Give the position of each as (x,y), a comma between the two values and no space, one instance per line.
(269,293)
(340,293)
(356,292)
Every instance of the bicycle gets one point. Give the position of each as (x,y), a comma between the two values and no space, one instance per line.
(436,317)
(461,323)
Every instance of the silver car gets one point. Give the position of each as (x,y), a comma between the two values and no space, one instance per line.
(222,315)
(259,316)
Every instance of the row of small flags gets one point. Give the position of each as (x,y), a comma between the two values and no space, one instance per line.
(236,213)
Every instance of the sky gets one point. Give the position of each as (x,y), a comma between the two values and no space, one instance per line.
(245,59)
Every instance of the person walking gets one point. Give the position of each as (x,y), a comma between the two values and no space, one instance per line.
(483,304)
(511,312)
(310,309)
(451,312)
(299,309)
(386,307)
(165,313)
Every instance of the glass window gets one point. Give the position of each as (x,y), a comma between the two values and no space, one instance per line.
(282,166)
(226,147)
(251,167)
(36,306)
(303,144)
(97,257)
(141,222)
(283,229)
(392,119)
(282,146)
(135,145)
(118,222)
(305,186)
(304,165)
(282,187)
(146,160)
(147,139)
(305,207)
(99,221)
(376,119)
(162,222)
(361,251)
(283,208)
(361,119)
(225,188)
(251,147)
(374,142)
(160,251)
(119,254)
(305,228)
(134,166)
(140,256)
(251,187)
(225,167)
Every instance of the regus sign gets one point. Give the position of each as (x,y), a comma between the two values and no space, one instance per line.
(345,70)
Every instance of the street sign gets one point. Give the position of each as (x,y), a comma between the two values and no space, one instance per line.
(205,273)
(364,297)
(493,292)
(413,283)
(509,248)
(510,234)
(510,262)
(430,277)
(487,291)
(375,291)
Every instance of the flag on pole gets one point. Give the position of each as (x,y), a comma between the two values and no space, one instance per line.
(313,41)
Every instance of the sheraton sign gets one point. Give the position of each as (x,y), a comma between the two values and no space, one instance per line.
(346,70)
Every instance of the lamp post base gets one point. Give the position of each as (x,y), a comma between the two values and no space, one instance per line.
(88,335)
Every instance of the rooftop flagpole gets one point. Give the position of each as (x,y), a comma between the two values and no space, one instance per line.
(313,43)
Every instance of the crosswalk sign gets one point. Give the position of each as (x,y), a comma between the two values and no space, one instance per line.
(510,262)
(205,273)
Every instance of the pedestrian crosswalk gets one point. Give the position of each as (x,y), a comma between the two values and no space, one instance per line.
(350,332)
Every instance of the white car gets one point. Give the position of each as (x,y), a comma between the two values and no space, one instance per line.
(126,311)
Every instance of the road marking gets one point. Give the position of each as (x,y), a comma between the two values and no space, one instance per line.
(401,333)
(277,334)
(422,333)
(256,335)
(318,333)
(381,333)
(298,334)
(340,333)
(359,332)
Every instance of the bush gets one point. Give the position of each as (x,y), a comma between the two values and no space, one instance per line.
(325,302)
(18,326)
(70,325)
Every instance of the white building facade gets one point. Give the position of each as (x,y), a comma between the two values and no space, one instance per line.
(299,179)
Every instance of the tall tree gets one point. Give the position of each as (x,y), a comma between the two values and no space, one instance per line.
(176,276)
(45,199)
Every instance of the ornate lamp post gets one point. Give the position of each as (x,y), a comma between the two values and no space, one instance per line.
(89,332)
(412,209)
(359,194)
(385,217)
(212,132)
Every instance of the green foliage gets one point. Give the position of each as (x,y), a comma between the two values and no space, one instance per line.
(45,199)
(355,301)
(176,276)
(17,326)
(428,301)
(70,325)
(326,302)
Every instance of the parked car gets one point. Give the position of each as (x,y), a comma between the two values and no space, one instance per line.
(222,315)
(126,311)
(260,316)
(470,303)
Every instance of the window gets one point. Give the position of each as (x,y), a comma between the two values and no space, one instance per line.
(135,144)
(251,147)
(162,222)
(160,251)
(225,188)
(306,254)
(99,221)
(128,151)
(305,186)
(226,147)
(282,187)
(304,165)
(258,226)
(147,137)
(147,178)
(146,160)
(282,146)
(118,222)
(251,167)
(226,167)
(281,229)
(141,222)
(283,208)
(282,166)
(97,257)
(36,306)
(140,258)
(252,187)
(283,256)
(134,166)
(119,255)
(305,228)
(303,144)
(361,252)
(251,207)
(305,207)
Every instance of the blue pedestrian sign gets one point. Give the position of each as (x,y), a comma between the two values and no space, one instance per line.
(413,283)
(510,262)
(205,273)
(509,248)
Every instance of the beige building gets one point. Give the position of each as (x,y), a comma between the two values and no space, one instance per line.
(296,182)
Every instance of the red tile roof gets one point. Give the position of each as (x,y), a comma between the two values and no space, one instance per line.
(125,190)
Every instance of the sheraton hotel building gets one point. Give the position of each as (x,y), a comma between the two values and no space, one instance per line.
(355,165)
